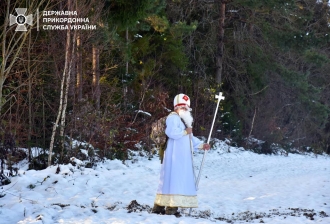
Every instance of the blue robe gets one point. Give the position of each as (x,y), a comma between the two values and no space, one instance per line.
(177,182)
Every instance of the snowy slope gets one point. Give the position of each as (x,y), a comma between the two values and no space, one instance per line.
(236,186)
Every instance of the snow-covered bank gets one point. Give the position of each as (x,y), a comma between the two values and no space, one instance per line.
(236,186)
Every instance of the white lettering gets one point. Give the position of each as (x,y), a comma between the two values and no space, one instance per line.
(83,27)
(55,27)
(90,27)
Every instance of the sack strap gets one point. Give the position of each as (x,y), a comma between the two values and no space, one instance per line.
(180,118)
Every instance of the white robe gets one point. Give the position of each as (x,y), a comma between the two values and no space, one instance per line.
(177,182)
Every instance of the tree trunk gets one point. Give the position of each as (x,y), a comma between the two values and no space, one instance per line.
(64,93)
(96,76)
(219,56)
(70,48)
(29,98)
(60,109)
(79,68)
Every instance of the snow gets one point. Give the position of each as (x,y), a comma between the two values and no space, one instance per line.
(143,112)
(236,186)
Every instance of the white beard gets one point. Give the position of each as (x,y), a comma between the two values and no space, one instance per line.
(187,117)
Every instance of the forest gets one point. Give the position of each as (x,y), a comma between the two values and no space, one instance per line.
(101,71)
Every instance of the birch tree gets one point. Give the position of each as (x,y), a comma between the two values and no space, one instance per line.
(65,84)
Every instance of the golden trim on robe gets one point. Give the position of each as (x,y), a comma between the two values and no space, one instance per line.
(173,200)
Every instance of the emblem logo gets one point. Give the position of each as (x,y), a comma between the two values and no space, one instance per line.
(21,19)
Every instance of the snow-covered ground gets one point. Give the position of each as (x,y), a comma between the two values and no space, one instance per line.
(236,186)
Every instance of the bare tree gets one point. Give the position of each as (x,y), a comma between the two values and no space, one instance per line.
(12,42)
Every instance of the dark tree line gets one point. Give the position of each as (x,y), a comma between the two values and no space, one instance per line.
(269,58)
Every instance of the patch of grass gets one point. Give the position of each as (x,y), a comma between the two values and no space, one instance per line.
(61,205)
(31,186)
